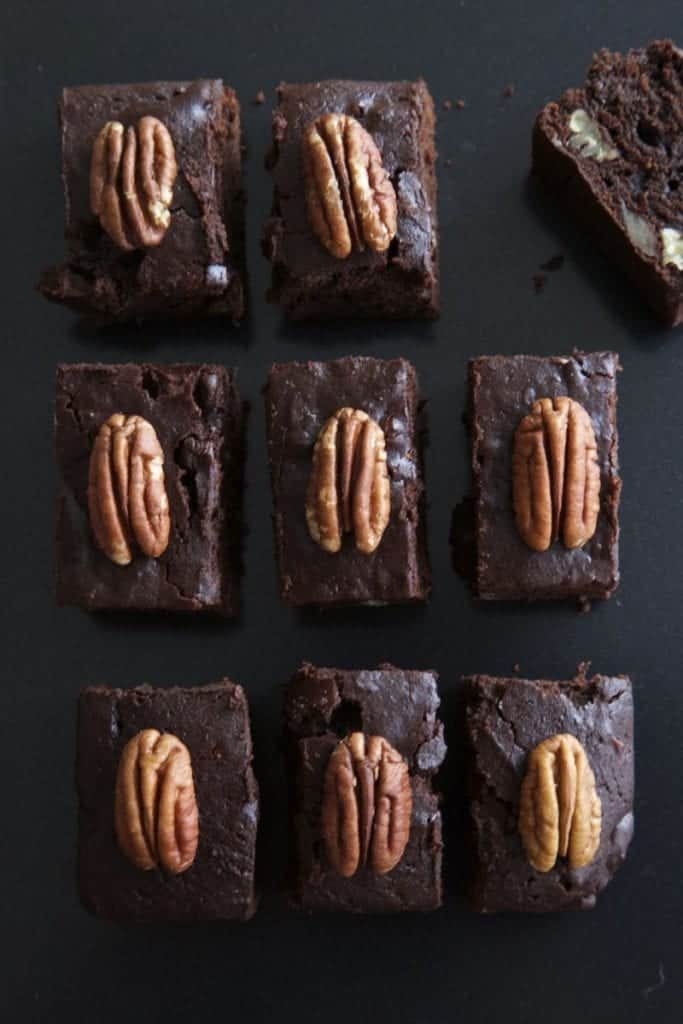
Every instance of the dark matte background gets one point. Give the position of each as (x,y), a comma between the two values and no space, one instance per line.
(621,962)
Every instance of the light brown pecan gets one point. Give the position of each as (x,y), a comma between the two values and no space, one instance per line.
(348,489)
(127,498)
(155,808)
(350,198)
(555,475)
(366,807)
(560,813)
(132,173)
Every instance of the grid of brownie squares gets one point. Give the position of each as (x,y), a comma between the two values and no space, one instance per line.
(503,390)
(197,416)
(211,726)
(505,720)
(300,399)
(324,707)
(150,462)
(197,266)
(400,281)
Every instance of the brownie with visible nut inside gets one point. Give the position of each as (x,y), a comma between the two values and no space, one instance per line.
(326,705)
(198,267)
(498,562)
(612,152)
(399,282)
(300,398)
(213,723)
(197,415)
(505,720)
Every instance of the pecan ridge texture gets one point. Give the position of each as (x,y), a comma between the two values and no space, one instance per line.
(127,499)
(156,818)
(560,812)
(555,475)
(349,489)
(350,199)
(132,173)
(366,807)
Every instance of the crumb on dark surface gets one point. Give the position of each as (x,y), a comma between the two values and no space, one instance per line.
(554,263)
(259,99)
(584,605)
(540,280)
(448,162)
(447,105)
(509,91)
(516,669)
(460,104)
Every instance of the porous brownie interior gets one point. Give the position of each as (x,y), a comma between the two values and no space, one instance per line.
(631,149)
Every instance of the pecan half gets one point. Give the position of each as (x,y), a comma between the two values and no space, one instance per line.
(348,489)
(132,173)
(560,813)
(366,807)
(555,475)
(350,198)
(155,808)
(127,498)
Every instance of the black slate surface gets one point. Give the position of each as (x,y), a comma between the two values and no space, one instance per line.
(619,963)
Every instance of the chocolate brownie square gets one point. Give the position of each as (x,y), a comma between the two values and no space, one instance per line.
(503,390)
(612,152)
(506,720)
(301,399)
(196,418)
(398,281)
(189,259)
(210,725)
(325,709)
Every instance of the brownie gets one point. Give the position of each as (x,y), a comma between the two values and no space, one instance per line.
(403,280)
(324,705)
(198,268)
(198,418)
(502,390)
(506,719)
(612,151)
(213,723)
(300,397)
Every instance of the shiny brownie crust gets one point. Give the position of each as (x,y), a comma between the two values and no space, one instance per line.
(403,282)
(506,719)
(299,398)
(322,706)
(213,723)
(199,266)
(198,417)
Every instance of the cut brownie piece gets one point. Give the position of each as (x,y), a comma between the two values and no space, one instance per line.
(212,722)
(196,414)
(613,150)
(400,281)
(506,720)
(325,706)
(300,400)
(198,266)
(502,392)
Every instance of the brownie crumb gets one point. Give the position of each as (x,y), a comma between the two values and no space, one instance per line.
(259,99)
(447,105)
(554,263)
(540,280)
(516,668)
(459,104)
(584,605)
(509,91)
